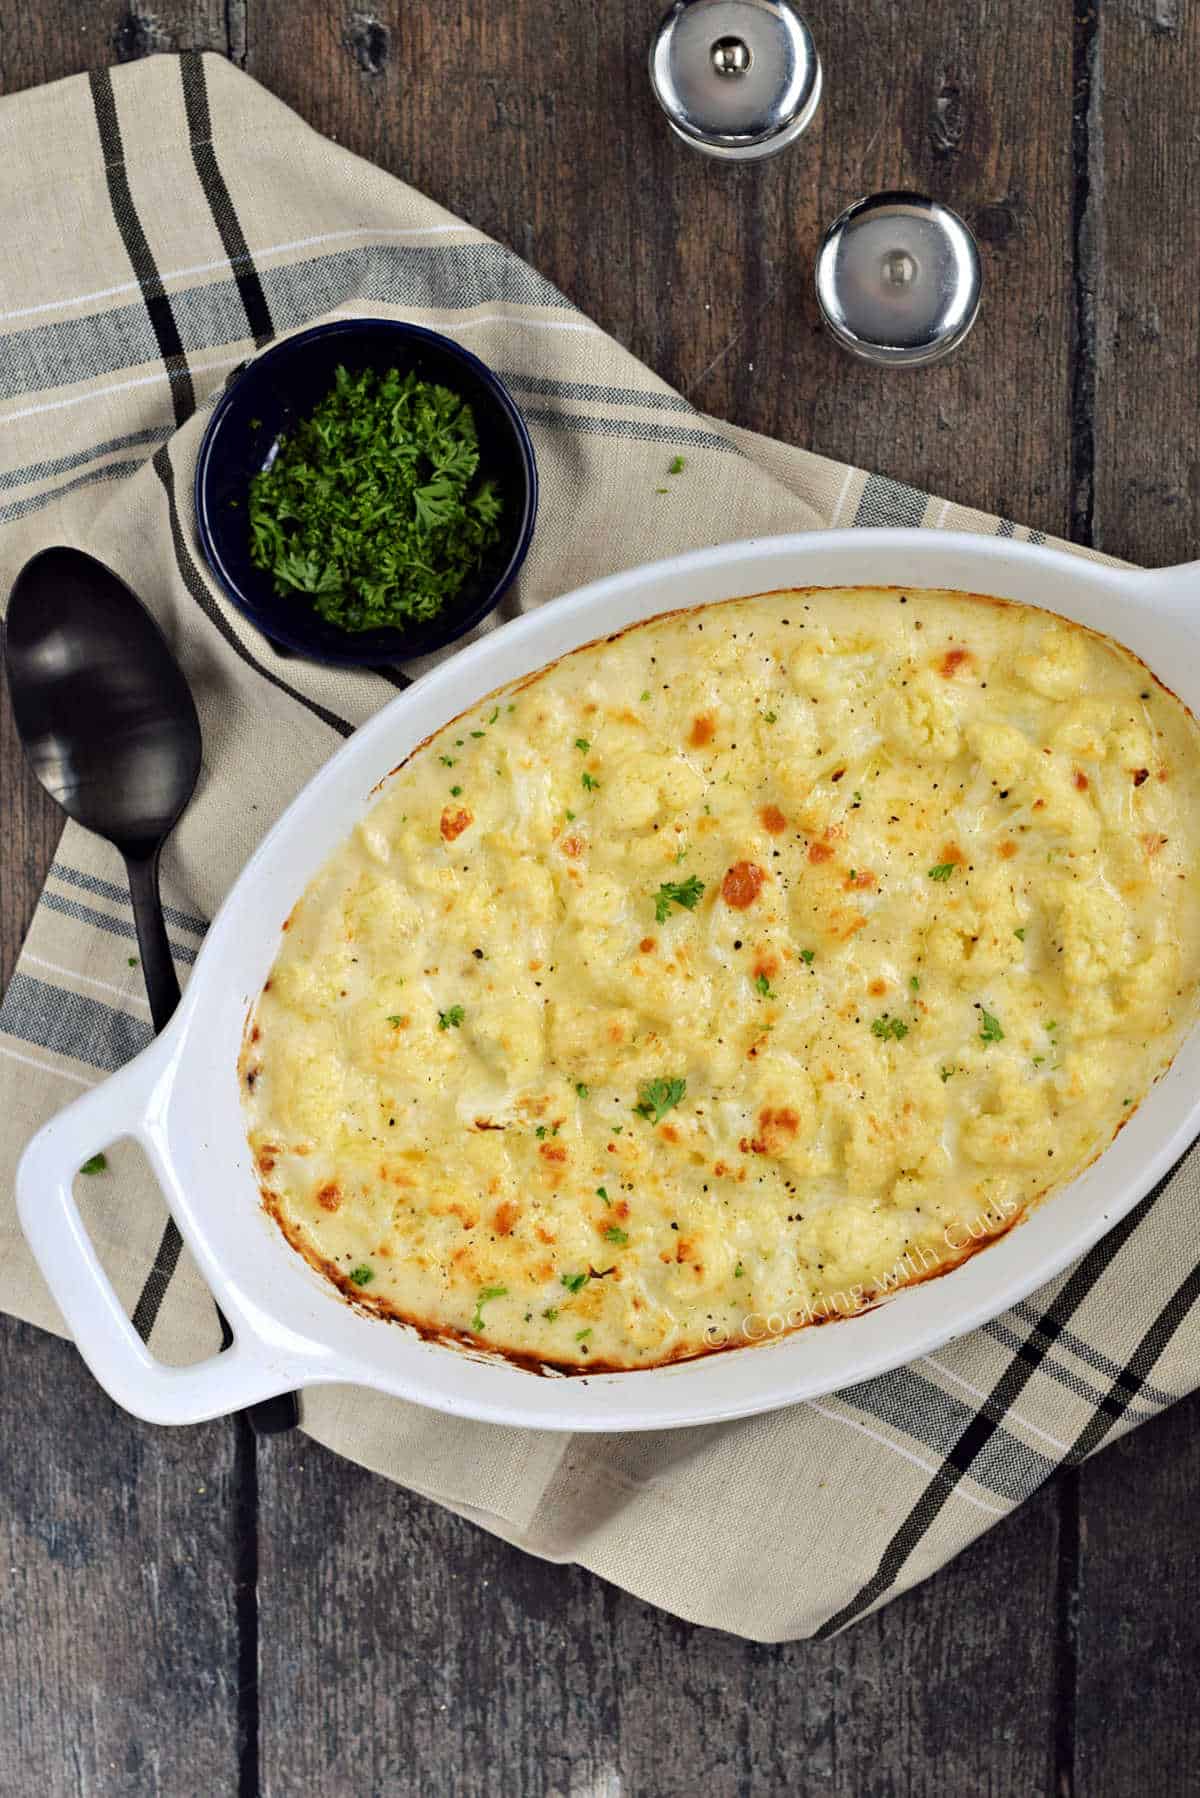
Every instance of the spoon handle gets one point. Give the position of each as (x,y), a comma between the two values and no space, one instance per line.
(158,967)
(272,1415)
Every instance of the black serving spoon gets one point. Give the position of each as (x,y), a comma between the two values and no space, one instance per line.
(109,725)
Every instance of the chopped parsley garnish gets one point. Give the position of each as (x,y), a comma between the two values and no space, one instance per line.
(943,871)
(570,817)
(1038,1060)
(1020,934)
(395,1019)
(550,1313)
(614,1233)
(889,1028)
(95,1164)
(739,1271)
(914,982)
(686,893)
(657,1097)
(771,717)
(583,744)
(582,1335)
(581,1088)
(947,1073)
(455,792)
(807,955)
(495,715)
(574,1282)
(678,464)
(362,1276)
(371,510)
(540,1132)
(602,1192)
(447,761)
(487,1294)
(989,1028)
(645,695)
(589,785)
(762,985)
(450,1020)
(479,733)
(133,961)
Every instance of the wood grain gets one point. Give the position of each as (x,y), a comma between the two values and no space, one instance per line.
(62,37)
(1144,243)
(425,1656)
(1135,1717)
(1137,1725)
(118,1605)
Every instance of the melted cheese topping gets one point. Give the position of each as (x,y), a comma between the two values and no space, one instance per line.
(731,973)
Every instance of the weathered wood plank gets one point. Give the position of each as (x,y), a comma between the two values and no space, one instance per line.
(119,1605)
(536,122)
(1144,163)
(1137,1722)
(62,37)
(406,1652)
(1136,1719)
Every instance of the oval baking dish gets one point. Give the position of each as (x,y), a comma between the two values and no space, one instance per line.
(180,1098)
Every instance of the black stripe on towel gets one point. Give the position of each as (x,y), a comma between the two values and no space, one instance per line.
(158,306)
(220,204)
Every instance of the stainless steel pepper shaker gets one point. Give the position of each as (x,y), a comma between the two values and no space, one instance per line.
(898,279)
(739,79)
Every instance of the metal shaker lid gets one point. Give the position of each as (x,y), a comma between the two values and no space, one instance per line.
(736,78)
(898,279)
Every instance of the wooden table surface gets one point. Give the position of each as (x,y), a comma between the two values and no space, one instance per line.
(193,1613)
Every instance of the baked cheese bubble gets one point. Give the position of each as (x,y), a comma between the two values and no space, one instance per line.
(730,974)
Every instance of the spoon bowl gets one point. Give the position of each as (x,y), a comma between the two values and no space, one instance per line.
(103,711)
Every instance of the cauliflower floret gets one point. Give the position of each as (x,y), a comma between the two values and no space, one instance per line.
(629,800)
(1012,1129)
(1065,808)
(509,1036)
(590,1041)
(1083,729)
(1143,992)
(1091,928)
(923,719)
(1059,667)
(1003,752)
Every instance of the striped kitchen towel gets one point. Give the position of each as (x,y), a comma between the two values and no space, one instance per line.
(160,222)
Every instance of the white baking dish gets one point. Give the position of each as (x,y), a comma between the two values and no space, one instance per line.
(180,1100)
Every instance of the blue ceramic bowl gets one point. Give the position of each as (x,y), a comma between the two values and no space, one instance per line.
(285,384)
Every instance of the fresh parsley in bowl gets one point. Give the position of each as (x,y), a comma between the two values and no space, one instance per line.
(372,510)
(365,491)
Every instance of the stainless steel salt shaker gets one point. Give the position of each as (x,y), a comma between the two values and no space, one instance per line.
(738,79)
(898,279)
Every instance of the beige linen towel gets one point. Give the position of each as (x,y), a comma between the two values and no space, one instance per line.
(159,223)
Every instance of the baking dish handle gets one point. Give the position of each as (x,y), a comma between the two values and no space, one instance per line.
(1175,589)
(121,1107)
